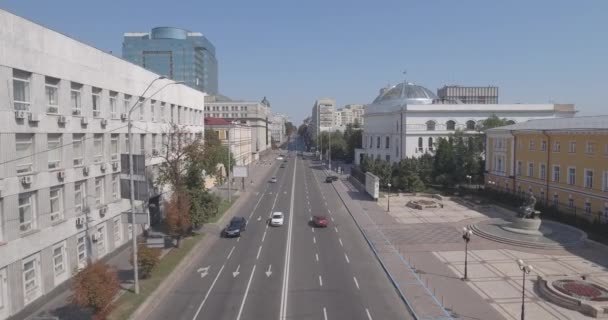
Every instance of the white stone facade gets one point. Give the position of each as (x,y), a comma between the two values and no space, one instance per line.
(61,136)
(323,116)
(277,127)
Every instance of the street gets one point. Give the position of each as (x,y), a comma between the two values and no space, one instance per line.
(293,271)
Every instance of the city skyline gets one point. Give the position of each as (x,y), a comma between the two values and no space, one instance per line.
(267,49)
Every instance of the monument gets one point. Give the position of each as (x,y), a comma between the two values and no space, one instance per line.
(527,220)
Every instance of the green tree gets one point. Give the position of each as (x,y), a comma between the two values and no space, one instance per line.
(353,139)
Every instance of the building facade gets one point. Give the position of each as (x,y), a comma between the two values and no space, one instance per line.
(277,127)
(468,95)
(563,162)
(254,114)
(350,114)
(61,137)
(179,54)
(323,113)
(406,120)
(235,135)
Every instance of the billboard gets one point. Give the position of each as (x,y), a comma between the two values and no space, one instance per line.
(239,172)
(372,185)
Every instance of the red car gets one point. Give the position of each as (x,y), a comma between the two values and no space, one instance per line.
(319,221)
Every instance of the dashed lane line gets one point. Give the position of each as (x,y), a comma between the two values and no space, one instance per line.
(230,253)
(369,316)
(340,240)
(200,307)
(356,282)
(347,260)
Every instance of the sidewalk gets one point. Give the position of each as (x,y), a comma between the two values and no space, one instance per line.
(56,305)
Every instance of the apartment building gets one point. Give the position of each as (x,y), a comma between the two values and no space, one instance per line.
(62,131)
(323,113)
(563,162)
(235,135)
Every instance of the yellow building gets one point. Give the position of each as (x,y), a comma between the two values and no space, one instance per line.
(563,162)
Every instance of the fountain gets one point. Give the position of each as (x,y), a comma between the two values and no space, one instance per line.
(527,220)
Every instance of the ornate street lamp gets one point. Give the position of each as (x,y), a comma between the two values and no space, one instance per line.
(466,236)
(526,269)
(389,197)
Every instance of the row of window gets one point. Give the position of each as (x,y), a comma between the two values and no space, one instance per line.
(115,105)
(556,174)
(227,115)
(590,146)
(225,108)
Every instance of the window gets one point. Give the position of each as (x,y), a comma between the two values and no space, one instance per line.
(420,144)
(115,187)
(572,147)
(81,249)
(117,231)
(54,151)
(530,169)
(130,230)
(588,178)
(519,168)
(140,108)
(80,196)
(152,111)
(25,153)
(572,175)
(450,125)
(543,145)
(96,99)
(78,149)
(387,143)
(555,173)
(378,142)
(142,143)
(31,285)
(101,241)
(587,206)
(556,146)
(75,100)
(51,89)
(99,186)
(113,105)
(98,147)
(590,147)
(570,202)
(531,145)
(114,147)
(430,125)
(162,112)
(387,158)
(605,184)
(470,125)
(163,141)
(21,90)
(127,142)
(126,104)
(555,199)
(56,203)
(58,259)
(27,212)
(371,142)
(154,146)
(543,171)
(430,143)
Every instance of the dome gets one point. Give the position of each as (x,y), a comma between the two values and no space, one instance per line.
(406,93)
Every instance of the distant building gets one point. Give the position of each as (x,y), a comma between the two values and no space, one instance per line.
(277,127)
(561,161)
(234,134)
(254,114)
(176,53)
(351,114)
(323,116)
(468,95)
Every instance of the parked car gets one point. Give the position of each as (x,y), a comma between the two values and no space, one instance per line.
(320,221)
(276,219)
(331,179)
(235,227)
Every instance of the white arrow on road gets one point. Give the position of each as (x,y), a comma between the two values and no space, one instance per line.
(203,271)
(236,273)
(259,218)
(269,272)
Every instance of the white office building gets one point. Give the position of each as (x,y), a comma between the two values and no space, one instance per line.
(407,119)
(62,131)
(277,127)
(323,116)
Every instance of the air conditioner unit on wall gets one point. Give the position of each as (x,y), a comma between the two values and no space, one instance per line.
(60,175)
(34,117)
(20,114)
(102,166)
(85,171)
(84,121)
(123,116)
(95,237)
(62,120)
(27,180)
(80,221)
(104,122)
(115,166)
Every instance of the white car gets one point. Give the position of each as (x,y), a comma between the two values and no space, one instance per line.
(273,179)
(276,219)
(280,158)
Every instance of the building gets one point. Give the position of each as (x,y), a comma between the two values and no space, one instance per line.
(62,134)
(561,161)
(407,119)
(323,116)
(351,114)
(254,114)
(468,95)
(235,135)
(176,53)
(277,127)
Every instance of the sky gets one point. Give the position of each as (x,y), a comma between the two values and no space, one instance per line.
(294,52)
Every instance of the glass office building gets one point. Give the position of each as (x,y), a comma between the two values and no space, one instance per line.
(176,53)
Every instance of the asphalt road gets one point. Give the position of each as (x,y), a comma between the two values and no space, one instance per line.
(331,272)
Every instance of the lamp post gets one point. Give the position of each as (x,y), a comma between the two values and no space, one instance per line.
(139,102)
(469,178)
(526,269)
(329,146)
(466,236)
(389,197)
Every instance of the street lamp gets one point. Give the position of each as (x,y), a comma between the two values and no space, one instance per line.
(389,197)
(139,102)
(469,178)
(466,236)
(526,269)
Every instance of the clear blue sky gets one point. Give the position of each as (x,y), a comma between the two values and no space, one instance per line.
(294,52)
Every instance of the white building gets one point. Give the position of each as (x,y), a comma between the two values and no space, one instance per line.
(323,116)
(254,114)
(233,134)
(406,120)
(277,127)
(348,115)
(61,136)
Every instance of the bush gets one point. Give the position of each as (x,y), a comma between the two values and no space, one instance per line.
(94,287)
(147,258)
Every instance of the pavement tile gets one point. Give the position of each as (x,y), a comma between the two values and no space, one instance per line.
(497,288)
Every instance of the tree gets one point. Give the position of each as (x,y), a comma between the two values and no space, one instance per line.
(94,287)
(353,139)
(178,215)
(147,259)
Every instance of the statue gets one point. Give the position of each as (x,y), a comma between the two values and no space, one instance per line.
(527,210)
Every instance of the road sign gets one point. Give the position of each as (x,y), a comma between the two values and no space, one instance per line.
(140,217)
(239,172)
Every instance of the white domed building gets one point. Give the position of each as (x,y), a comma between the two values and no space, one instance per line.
(406,120)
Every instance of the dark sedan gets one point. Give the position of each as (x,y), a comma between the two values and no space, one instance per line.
(235,227)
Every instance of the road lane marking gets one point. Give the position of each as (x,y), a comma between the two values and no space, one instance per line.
(336,228)
(314,240)
(347,260)
(230,254)
(246,293)
(332,219)
(324,313)
(236,273)
(313,229)
(340,239)
(328,211)
(356,282)
(320,281)
(369,316)
(317,257)
(264,236)
(286,266)
(258,255)
(269,271)
(200,307)
(238,239)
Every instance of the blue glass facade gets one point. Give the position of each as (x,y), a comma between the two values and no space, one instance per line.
(176,53)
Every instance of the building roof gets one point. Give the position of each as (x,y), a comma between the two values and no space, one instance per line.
(217,122)
(408,92)
(576,123)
